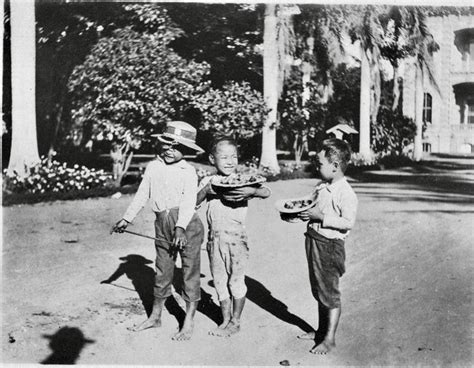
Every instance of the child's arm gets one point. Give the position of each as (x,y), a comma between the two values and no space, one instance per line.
(141,197)
(204,192)
(243,193)
(344,222)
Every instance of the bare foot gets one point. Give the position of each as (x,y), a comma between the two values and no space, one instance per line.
(184,334)
(323,348)
(151,322)
(307,336)
(215,331)
(231,329)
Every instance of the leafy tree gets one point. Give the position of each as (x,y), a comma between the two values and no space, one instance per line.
(235,110)
(65,34)
(132,83)
(392,132)
(226,36)
(342,106)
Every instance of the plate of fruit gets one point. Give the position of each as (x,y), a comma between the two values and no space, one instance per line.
(290,208)
(294,205)
(237,180)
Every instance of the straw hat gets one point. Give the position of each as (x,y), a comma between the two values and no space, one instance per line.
(179,132)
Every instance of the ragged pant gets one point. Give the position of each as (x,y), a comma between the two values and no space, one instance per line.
(228,255)
(165,259)
(326,265)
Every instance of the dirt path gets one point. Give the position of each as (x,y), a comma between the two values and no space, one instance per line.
(407,292)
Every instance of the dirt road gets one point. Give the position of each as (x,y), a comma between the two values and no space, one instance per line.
(407,292)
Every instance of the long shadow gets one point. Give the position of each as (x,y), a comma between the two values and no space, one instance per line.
(261,296)
(135,267)
(66,344)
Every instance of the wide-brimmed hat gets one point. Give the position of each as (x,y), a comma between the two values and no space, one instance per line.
(179,132)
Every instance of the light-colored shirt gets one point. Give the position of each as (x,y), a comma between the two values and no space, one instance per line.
(168,186)
(219,215)
(338,203)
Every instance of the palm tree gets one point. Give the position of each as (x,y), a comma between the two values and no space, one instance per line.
(24,150)
(318,45)
(369,32)
(277,43)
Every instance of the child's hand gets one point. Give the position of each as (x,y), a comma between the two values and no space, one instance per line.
(240,194)
(313,213)
(208,188)
(180,240)
(119,227)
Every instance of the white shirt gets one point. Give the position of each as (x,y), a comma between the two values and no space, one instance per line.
(221,215)
(338,203)
(168,186)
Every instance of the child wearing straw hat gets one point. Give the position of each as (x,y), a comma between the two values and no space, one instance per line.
(171,184)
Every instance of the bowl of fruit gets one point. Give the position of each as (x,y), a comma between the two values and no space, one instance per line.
(290,208)
(237,181)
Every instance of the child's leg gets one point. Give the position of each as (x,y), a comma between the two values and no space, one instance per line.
(239,254)
(188,326)
(218,255)
(164,267)
(329,341)
(154,320)
(191,264)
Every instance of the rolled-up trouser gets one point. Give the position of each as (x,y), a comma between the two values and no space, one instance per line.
(190,256)
(228,255)
(326,264)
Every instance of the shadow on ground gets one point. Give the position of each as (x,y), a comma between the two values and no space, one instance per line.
(445,181)
(135,267)
(260,295)
(66,344)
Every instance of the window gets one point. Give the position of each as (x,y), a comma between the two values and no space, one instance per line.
(427,108)
(426,147)
(470,113)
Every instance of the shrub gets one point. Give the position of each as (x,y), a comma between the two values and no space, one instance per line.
(358,160)
(393,161)
(55,176)
(392,132)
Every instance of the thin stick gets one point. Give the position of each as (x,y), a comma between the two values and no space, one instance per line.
(148,237)
(120,286)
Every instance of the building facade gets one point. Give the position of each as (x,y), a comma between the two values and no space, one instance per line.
(449,112)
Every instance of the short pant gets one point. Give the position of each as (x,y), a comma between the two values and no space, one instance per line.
(228,256)
(190,256)
(326,259)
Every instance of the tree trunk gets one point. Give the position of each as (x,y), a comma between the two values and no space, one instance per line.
(419,93)
(396,88)
(24,150)
(300,145)
(271,75)
(364,128)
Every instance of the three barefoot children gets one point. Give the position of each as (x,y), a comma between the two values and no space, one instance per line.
(171,185)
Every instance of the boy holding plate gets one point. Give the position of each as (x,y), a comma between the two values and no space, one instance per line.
(330,220)
(227,241)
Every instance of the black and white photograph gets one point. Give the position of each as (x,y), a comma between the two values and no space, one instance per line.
(221,183)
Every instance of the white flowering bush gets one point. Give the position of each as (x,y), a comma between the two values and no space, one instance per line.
(55,176)
(358,160)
